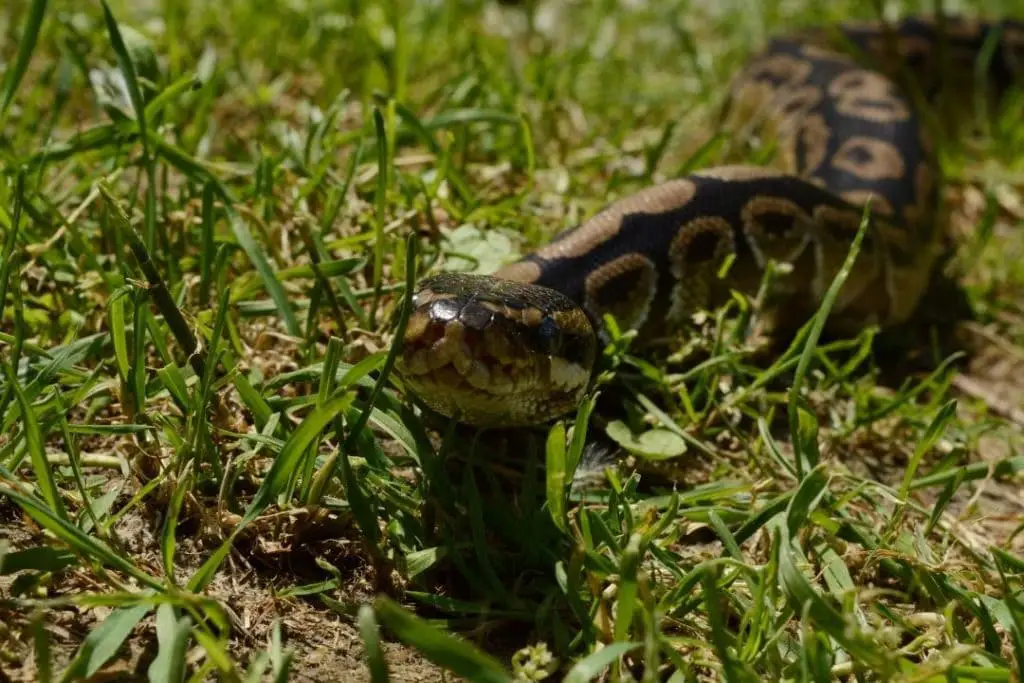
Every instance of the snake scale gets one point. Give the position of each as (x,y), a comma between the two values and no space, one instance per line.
(519,347)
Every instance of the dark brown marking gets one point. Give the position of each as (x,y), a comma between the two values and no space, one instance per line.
(823,53)
(781,70)
(694,271)
(794,105)
(775,228)
(772,217)
(869,158)
(623,288)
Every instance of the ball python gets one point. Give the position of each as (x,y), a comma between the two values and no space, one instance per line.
(519,347)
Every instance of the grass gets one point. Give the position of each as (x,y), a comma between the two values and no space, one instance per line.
(211,215)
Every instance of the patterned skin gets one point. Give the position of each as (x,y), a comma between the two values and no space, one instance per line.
(850,139)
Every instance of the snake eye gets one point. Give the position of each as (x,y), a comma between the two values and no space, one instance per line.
(549,336)
(445,310)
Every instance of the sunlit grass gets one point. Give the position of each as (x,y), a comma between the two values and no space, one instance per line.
(211,215)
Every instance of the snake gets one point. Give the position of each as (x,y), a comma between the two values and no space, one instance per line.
(856,157)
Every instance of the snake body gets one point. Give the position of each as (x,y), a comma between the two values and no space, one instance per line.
(519,346)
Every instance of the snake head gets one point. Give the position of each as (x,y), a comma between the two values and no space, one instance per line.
(492,352)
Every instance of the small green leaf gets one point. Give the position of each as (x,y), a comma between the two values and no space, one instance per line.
(556,475)
(172,635)
(593,665)
(477,250)
(813,486)
(104,641)
(654,444)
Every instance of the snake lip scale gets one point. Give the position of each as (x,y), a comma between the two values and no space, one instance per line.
(519,347)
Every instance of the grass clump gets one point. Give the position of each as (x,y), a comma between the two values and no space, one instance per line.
(211,217)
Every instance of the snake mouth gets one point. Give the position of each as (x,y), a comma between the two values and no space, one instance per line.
(476,352)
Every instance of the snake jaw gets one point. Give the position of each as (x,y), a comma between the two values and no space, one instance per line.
(494,352)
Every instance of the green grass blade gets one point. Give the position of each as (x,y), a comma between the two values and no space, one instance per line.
(292,453)
(75,538)
(445,650)
(127,66)
(26,46)
(168,539)
(383,166)
(931,436)
(721,639)
(34,443)
(817,326)
(11,239)
(266,273)
(372,649)
(805,599)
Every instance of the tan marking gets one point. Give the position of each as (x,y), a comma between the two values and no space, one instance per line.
(868,95)
(766,240)
(739,172)
(606,224)
(530,316)
(573,319)
(521,271)
(814,134)
(786,69)
(629,307)
(696,274)
(879,204)
(884,160)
